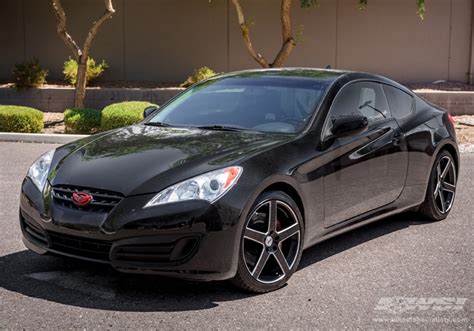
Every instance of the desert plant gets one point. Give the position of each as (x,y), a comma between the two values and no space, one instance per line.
(82,120)
(122,114)
(29,74)
(20,119)
(93,70)
(198,75)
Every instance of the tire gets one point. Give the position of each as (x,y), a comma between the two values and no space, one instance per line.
(441,189)
(270,247)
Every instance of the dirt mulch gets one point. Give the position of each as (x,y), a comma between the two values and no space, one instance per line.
(54,123)
(465,129)
(441,86)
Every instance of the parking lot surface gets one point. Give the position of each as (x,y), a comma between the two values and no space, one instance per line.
(401,272)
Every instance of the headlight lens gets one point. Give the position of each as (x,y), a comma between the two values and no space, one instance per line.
(39,170)
(209,186)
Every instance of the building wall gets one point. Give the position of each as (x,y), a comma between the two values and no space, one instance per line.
(165,40)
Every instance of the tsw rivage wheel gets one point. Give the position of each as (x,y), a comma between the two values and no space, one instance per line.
(271,245)
(441,188)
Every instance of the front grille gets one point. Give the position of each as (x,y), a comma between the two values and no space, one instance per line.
(81,247)
(102,201)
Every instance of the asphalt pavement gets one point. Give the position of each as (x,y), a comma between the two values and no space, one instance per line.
(400,272)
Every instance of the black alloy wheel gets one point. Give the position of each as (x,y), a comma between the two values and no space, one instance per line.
(441,188)
(271,245)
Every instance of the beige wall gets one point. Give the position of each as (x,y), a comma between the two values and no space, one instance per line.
(164,40)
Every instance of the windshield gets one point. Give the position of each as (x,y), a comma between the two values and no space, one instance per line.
(258,103)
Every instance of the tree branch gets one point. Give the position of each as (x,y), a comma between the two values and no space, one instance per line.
(109,11)
(61,27)
(246,35)
(288,41)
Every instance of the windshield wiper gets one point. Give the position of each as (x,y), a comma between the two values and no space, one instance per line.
(160,124)
(222,128)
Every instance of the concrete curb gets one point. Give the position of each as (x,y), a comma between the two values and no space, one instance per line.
(42,138)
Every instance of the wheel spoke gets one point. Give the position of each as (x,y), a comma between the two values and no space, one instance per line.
(436,192)
(282,261)
(254,235)
(272,216)
(289,232)
(262,261)
(443,202)
(448,187)
(446,169)
(438,170)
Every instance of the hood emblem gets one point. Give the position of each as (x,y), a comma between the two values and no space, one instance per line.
(81,198)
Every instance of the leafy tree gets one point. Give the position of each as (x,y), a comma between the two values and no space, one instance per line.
(81,55)
(288,40)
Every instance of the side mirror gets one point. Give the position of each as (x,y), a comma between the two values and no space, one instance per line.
(349,125)
(149,110)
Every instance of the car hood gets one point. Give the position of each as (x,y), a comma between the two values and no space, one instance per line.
(142,159)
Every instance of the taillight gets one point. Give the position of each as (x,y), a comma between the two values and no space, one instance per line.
(451,118)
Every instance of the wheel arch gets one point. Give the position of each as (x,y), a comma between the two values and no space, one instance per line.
(452,149)
(290,191)
(283,183)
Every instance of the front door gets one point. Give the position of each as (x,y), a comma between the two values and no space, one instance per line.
(369,168)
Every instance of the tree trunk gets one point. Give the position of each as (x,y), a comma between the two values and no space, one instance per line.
(80,83)
(288,41)
(246,35)
(81,55)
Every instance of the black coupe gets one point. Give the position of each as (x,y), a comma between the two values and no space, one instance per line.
(237,175)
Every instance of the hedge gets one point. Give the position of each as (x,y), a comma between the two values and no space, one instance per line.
(20,119)
(122,114)
(79,120)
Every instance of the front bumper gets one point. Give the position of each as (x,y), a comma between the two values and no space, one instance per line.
(192,240)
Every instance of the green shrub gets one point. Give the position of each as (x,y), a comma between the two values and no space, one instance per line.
(198,75)
(93,70)
(122,114)
(20,119)
(29,74)
(79,120)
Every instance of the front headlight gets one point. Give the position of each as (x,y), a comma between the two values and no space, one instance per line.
(38,172)
(209,186)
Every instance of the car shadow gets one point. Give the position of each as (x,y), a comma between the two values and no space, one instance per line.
(359,236)
(97,286)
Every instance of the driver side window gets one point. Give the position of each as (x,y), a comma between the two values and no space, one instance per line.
(361,98)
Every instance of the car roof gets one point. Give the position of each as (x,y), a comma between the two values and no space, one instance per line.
(327,75)
(316,73)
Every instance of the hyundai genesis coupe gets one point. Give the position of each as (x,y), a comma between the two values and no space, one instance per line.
(234,177)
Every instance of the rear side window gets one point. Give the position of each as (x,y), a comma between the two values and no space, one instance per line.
(401,103)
